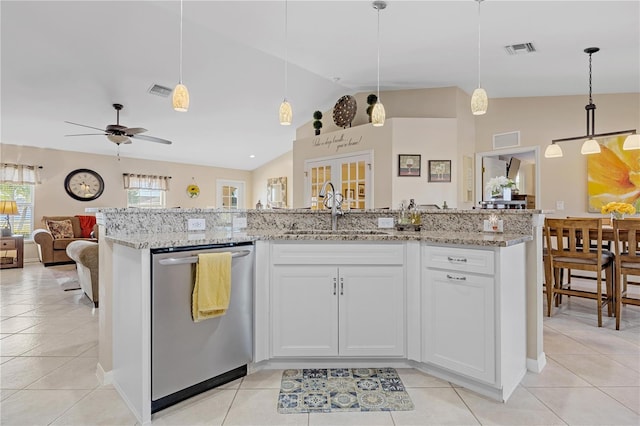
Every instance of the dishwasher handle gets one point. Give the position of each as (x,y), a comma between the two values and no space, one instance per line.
(194,259)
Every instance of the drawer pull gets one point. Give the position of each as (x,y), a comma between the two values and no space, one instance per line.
(334,286)
(457,259)
(341,286)
(451,277)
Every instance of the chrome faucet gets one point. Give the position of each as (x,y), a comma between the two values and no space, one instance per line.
(336,209)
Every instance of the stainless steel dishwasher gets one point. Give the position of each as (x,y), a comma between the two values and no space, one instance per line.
(188,358)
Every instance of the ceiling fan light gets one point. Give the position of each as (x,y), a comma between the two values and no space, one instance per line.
(553,151)
(631,142)
(286,114)
(590,146)
(378,115)
(479,102)
(181,98)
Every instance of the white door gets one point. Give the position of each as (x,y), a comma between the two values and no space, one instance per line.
(371,310)
(230,194)
(460,323)
(350,175)
(305,310)
(491,167)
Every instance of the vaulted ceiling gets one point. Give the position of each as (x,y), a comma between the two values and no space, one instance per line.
(71,60)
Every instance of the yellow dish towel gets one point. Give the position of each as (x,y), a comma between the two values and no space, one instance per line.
(212,290)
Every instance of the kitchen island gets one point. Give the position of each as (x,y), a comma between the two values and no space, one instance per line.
(451,303)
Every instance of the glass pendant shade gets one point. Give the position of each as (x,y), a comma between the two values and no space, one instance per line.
(378,115)
(181,98)
(553,151)
(286,115)
(479,102)
(631,142)
(590,146)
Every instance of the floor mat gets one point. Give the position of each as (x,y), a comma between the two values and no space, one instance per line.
(325,390)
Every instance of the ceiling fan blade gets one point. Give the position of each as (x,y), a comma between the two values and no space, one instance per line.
(84,125)
(152,139)
(88,134)
(118,139)
(134,130)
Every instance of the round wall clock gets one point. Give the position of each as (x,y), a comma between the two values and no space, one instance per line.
(84,185)
(344,111)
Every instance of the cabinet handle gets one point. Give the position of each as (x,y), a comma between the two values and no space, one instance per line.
(335,286)
(451,277)
(341,286)
(457,259)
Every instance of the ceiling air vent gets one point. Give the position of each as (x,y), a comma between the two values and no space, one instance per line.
(520,49)
(158,90)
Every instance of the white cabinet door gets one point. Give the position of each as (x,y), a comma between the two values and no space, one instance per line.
(460,323)
(305,311)
(371,306)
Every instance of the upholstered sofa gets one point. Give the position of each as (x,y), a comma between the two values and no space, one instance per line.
(52,248)
(85,254)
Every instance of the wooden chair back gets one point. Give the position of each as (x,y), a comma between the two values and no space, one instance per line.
(564,243)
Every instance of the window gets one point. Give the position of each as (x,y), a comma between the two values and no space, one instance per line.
(23,194)
(147,198)
(230,194)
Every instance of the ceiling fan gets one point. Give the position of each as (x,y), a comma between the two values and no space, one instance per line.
(119,134)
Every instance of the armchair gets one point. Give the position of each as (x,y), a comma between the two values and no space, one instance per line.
(85,254)
(52,251)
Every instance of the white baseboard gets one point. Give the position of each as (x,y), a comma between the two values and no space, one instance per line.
(105,378)
(537,365)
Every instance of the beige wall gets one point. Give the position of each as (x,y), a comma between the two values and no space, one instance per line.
(433,139)
(433,103)
(541,119)
(281,166)
(51,198)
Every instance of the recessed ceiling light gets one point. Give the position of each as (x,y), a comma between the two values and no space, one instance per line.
(252,156)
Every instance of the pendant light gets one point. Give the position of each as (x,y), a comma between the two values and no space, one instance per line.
(180,93)
(479,100)
(591,145)
(377,113)
(285,113)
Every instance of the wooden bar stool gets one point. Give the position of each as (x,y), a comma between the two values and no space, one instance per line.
(626,233)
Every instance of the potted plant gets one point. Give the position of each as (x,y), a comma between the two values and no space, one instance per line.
(371,100)
(317,124)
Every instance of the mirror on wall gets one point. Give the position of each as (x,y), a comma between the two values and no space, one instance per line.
(277,192)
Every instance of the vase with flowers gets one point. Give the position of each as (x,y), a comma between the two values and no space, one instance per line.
(618,210)
(501,187)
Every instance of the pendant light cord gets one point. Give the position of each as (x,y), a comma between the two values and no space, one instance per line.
(590,98)
(286,39)
(479,1)
(180,41)
(378,53)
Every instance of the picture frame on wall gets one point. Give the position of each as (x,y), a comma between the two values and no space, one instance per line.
(409,165)
(439,170)
(361,190)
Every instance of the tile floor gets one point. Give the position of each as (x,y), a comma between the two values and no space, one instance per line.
(48,345)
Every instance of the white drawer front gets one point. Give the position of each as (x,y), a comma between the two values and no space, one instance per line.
(459,259)
(318,253)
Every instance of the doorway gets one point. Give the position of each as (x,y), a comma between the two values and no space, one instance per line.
(504,163)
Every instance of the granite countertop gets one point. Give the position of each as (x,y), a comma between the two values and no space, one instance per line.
(183,239)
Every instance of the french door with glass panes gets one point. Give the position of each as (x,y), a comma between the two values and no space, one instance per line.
(350,175)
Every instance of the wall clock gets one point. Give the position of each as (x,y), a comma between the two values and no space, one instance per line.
(84,185)
(344,111)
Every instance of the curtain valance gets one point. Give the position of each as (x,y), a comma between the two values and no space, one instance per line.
(136,181)
(19,173)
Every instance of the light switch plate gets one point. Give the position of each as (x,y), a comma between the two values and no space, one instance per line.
(487,227)
(239,222)
(196,225)
(385,222)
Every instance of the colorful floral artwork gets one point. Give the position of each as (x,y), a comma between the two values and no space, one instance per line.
(613,175)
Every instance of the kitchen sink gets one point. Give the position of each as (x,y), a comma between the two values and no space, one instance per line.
(338,232)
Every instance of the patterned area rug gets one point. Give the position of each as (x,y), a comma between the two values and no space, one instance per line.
(325,390)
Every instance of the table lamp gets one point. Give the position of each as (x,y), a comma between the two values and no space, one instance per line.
(8,208)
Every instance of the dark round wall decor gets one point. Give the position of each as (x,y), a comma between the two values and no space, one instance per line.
(84,185)
(344,111)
